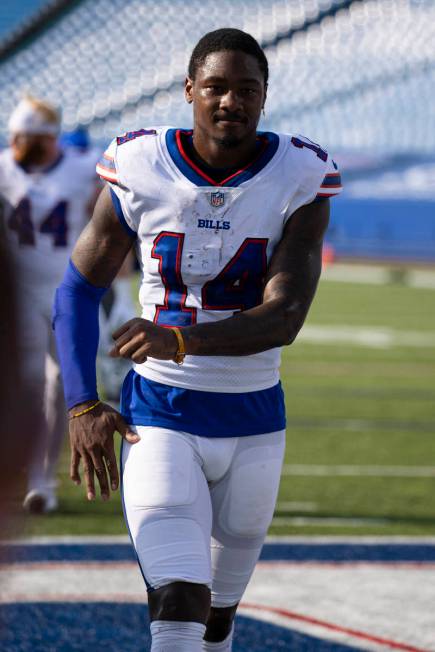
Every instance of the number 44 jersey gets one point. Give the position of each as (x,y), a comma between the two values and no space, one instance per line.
(43,212)
(203,246)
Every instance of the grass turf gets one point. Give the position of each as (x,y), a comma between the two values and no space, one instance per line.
(346,405)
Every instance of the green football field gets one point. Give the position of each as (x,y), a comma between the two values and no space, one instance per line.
(360,389)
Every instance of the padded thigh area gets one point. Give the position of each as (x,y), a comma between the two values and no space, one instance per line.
(244,500)
(251,494)
(167,507)
(243,505)
(198,510)
(159,471)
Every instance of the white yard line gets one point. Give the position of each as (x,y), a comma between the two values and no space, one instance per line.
(356,274)
(351,539)
(328,521)
(296,506)
(368,336)
(358,470)
(379,275)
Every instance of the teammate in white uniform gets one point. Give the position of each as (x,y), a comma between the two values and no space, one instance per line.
(228,225)
(44,192)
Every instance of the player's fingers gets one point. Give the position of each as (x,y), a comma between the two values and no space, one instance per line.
(140,355)
(128,349)
(124,343)
(101,473)
(74,466)
(88,469)
(136,335)
(122,329)
(114,352)
(125,431)
(135,350)
(112,467)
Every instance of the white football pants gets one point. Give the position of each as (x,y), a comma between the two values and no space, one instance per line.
(40,368)
(198,508)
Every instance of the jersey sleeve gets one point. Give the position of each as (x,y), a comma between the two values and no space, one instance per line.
(108,169)
(331,183)
(106,166)
(315,174)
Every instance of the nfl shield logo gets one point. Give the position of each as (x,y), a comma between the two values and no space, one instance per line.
(217,199)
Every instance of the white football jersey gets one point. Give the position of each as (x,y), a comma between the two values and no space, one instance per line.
(43,213)
(203,246)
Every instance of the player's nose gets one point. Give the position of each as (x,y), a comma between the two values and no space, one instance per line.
(230,101)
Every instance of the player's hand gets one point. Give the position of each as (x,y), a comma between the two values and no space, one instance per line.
(139,338)
(91,439)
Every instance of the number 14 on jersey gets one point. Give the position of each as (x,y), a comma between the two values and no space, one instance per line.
(239,286)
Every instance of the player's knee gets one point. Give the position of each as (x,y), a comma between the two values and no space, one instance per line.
(181,601)
(219,624)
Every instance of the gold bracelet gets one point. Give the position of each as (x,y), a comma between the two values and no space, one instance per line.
(181,352)
(88,409)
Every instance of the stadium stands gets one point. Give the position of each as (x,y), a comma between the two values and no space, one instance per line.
(357,76)
(350,80)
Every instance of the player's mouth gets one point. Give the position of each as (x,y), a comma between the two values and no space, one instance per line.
(229,120)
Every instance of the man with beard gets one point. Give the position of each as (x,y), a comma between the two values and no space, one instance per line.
(44,195)
(228,225)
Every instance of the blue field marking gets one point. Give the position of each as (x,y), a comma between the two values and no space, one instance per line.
(296,552)
(80,627)
(67,552)
(349,552)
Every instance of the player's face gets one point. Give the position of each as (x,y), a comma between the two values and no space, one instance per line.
(32,149)
(228,94)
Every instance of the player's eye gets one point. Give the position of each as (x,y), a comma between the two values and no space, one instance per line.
(249,92)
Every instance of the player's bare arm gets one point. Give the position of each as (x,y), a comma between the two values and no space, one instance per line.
(98,256)
(290,286)
(103,245)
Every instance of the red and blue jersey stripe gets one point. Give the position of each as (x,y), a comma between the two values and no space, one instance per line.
(331,185)
(106,168)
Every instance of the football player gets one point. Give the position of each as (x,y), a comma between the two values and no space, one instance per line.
(44,195)
(228,224)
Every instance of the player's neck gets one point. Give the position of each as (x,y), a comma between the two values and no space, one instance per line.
(42,162)
(223,155)
(52,157)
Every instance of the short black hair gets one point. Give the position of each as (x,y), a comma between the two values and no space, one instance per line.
(227,38)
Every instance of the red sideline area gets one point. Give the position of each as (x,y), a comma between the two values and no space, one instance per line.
(337,628)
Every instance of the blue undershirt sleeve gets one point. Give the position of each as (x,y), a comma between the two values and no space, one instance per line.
(75,322)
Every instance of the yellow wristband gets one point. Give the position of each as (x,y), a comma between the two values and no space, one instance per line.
(181,352)
(88,409)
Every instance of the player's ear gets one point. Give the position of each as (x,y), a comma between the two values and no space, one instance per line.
(188,90)
(265,95)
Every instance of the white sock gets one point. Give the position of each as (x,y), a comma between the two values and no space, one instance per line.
(223,646)
(173,636)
